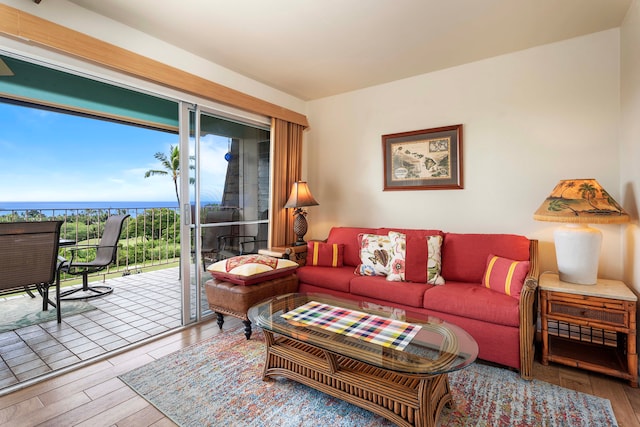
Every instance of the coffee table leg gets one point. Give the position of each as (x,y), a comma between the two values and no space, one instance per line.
(433,394)
(268,336)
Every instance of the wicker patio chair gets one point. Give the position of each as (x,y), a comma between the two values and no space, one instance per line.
(106,254)
(29,259)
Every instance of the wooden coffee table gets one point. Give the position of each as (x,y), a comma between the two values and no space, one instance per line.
(408,386)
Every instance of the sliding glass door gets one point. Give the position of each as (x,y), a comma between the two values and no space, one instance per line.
(223,174)
(228,191)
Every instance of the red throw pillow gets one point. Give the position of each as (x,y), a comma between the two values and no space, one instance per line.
(348,236)
(505,275)
(322,254)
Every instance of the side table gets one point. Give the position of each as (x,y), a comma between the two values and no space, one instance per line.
(591,327)
(293,253)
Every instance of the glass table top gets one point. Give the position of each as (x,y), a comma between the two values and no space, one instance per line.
(433,346)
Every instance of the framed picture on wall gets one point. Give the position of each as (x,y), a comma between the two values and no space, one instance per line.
(429,159)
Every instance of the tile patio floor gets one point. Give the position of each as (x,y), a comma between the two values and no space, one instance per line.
(141,306)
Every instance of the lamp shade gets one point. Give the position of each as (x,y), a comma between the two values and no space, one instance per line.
(580,201)
(300,196)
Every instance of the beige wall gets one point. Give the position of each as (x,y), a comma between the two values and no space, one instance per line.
(630,140)
(530,119)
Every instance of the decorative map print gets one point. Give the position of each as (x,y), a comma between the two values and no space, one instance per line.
(424,159)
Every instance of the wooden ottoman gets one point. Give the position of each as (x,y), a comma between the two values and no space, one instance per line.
(235,300)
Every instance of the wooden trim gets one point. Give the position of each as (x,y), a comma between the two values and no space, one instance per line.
(529,314)
(26,27)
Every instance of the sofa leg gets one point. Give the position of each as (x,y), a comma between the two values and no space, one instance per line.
(220,317)
(247,328)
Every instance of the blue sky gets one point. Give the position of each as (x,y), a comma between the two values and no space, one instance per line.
(50,156)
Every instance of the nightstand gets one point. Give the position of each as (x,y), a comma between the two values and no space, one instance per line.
(294,253)
(591,327)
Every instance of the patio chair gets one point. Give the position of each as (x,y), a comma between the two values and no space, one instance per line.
(232,244)
(213,237)
(252,244)
(29,258)
(106,254)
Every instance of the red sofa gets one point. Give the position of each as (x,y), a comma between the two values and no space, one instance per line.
(503,325)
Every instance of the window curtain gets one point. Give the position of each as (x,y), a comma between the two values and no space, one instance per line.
(287,167)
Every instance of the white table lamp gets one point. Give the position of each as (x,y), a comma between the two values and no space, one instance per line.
(577,203)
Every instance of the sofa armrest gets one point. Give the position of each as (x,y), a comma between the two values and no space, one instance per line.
(529,314)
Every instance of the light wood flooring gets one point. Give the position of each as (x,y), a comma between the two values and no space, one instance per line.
(93,396)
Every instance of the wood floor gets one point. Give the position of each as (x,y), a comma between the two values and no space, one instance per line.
(93,396)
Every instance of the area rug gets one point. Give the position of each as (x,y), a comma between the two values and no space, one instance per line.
(219,382)
(19,312)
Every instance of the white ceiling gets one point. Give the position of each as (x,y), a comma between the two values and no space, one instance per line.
(317,48)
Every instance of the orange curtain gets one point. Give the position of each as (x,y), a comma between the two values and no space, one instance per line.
(286,138)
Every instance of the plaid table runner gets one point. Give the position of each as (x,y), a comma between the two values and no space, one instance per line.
(375,329)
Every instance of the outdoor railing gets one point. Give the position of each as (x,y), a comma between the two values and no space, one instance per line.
(150,236)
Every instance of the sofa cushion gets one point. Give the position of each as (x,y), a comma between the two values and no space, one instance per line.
(473,301)
(505,275)
(348,236)
(376,252)
(335,278)
(416,253)
(251,269)
(405,293)
(325,254)
(464,256)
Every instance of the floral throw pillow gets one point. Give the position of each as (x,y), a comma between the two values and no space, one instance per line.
(434,262)
(398,255)
(375,255)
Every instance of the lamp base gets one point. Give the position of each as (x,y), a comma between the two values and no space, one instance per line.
(300,228)
(577,253)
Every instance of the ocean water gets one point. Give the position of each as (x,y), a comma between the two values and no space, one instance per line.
(21,206)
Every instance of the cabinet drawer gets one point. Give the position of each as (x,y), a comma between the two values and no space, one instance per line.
(600,315)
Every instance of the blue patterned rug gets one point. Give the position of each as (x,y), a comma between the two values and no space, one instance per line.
(22,311)
(219,382)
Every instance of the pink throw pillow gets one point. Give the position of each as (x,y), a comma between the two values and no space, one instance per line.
(505,275)
(322,254)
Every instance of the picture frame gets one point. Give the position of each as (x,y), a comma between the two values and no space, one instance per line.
(428,159)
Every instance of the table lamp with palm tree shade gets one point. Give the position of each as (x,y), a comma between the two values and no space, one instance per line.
(300,197)
(577,203)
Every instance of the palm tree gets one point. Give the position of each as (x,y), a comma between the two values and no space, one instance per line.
(588,192)
(171,166)
(557,205)
(566,185)
(611,201)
